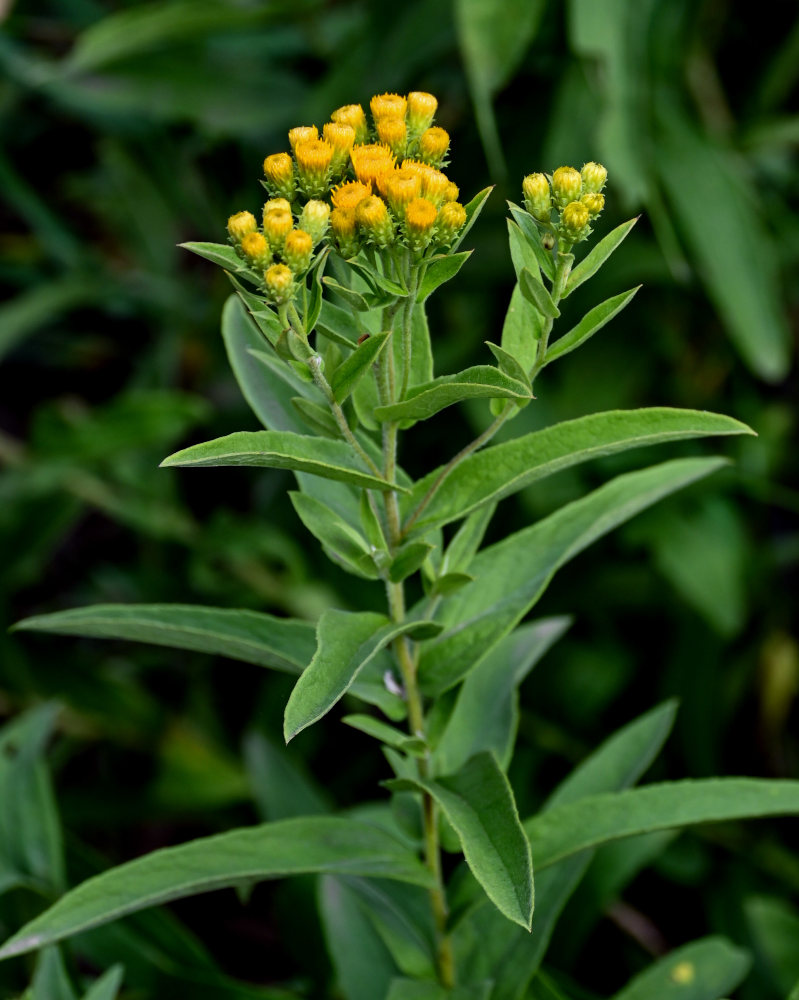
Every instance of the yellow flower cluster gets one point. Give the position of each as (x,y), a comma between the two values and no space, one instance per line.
(574,194)
(279,249)
(384,181)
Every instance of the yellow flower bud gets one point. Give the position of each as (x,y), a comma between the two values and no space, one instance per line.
(314,161)
(342,223)
(240,224)
(567,185)
(388,106)
(401,188)
(574,221)
(276,205)
(302,133)
(452,192)
(374,221)
(371,161)
(256,250)
(420,217)
(433,145)
(277,225)
(347,196)
(341,137)
(279,172)
(451,219)
(279,283)
(421,110)
(393,132)
(434,185)
(297,250)
(594,202)
(594,176)
(314,219)
(537,197)
(352,115)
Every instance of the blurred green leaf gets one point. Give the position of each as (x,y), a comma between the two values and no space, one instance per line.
(50,979)
(775,929)
(705,970)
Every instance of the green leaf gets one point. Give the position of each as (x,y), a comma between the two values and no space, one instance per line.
(281,450)
(50,980)
(704,970)
(512,575)
(346,642)
(31,847)
(352,369)
(281,785)
(107,986)
(250,636)
(317,418)
(408,559)
(389,735)
(508,364)
(342,543)
(534,291)
(479,803)
(564,830)
(273,850)
(593,321)
(41,305)
(486,713)
(521,329)
(473,209)
(716,209)
(485,945)
(494,36)
(526,226)
(503,469)
(481,381)
(416,989)
(592,261)
(266,383)
(225,256)
(440,270)
(353,299)
(775,929)
(467,540)
(338,325)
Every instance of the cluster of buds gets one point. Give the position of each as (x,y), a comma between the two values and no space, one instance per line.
(374,174)
(574,195)
(279,249)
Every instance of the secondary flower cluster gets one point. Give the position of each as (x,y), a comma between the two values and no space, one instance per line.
(574,195)
(384,182)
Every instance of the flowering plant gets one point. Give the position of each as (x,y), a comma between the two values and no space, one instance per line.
(336,366)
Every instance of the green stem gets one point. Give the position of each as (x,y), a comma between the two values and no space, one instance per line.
(407,329)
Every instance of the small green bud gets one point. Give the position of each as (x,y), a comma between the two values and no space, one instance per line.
(314,219)
(279,283)
(547,241)
(594,203)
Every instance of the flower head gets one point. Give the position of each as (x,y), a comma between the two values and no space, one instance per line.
(374,221)
(433,145)
(388,106)
(421,111)
(279,283)
(567,185)
(314,161)
(594,176)
(279,173)
(297,250)
(537,196)
(240,224)
(352,115)
(451,219)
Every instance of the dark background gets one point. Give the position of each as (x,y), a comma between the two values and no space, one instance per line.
(130,127)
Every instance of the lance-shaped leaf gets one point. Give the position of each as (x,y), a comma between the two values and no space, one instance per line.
(350,372)
(272,850)
(508,364)
(389,735)
(592,262)
(593,321)
(564,830)
(497,472)
(703,970)
(485,716)
(484,944)
(346,642)
(482,381)
(417,989)
(533,290)
(342,542)
(511,575)
(338,324)
(281,450)
(250,636)
(532,235)
(225,256)
(107,986)
(478,802)
(440,270)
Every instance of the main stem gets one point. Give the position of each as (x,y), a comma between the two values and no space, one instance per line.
(407,660)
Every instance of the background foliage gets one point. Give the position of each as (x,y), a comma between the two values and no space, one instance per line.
(130,127)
